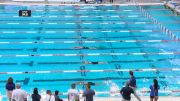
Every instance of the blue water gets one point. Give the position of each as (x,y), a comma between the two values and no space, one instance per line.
(61,24)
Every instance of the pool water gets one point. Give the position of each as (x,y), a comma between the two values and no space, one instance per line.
(44,50)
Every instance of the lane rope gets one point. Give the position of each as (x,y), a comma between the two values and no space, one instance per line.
(97,41)
(176,69)
(91,54)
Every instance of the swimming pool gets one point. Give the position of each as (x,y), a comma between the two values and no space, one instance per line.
(43,50)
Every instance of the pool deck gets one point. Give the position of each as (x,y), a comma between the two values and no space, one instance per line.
(169,98)
(142,98)
(78,3)
(173,7)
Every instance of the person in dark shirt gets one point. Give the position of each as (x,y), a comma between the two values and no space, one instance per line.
(35,96)
(154,91)
(10,86)
(88,93)
(56,95)
(127,91)
(132,80)
(132,83)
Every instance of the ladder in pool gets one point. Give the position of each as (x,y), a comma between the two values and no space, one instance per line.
(163,28)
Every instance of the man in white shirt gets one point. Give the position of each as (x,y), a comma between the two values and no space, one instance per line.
(49,96)
(73,94)
(18,94)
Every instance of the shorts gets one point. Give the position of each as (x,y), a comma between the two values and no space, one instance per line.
(154,97)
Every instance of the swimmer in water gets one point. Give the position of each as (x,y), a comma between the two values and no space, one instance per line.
(88,62)
(90,48)
(84,47)
(89,83)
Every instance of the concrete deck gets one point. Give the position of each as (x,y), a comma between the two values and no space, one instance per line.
(168,98)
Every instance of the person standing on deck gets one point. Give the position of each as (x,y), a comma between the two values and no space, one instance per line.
(73,94)
(154,91)
(132,83)
(88,93)
(18,94)
(10,86)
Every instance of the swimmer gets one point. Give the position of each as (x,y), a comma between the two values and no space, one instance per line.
(88,62)
(84,47)
(90,48)
(89,83)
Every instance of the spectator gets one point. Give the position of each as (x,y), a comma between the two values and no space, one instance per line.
(56,96)
(132,83)
(49,96)
(10,86)
(18,94)
(73,94)
(127,91)
(154,91)
(88,93)
(35,96)
(132,80)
